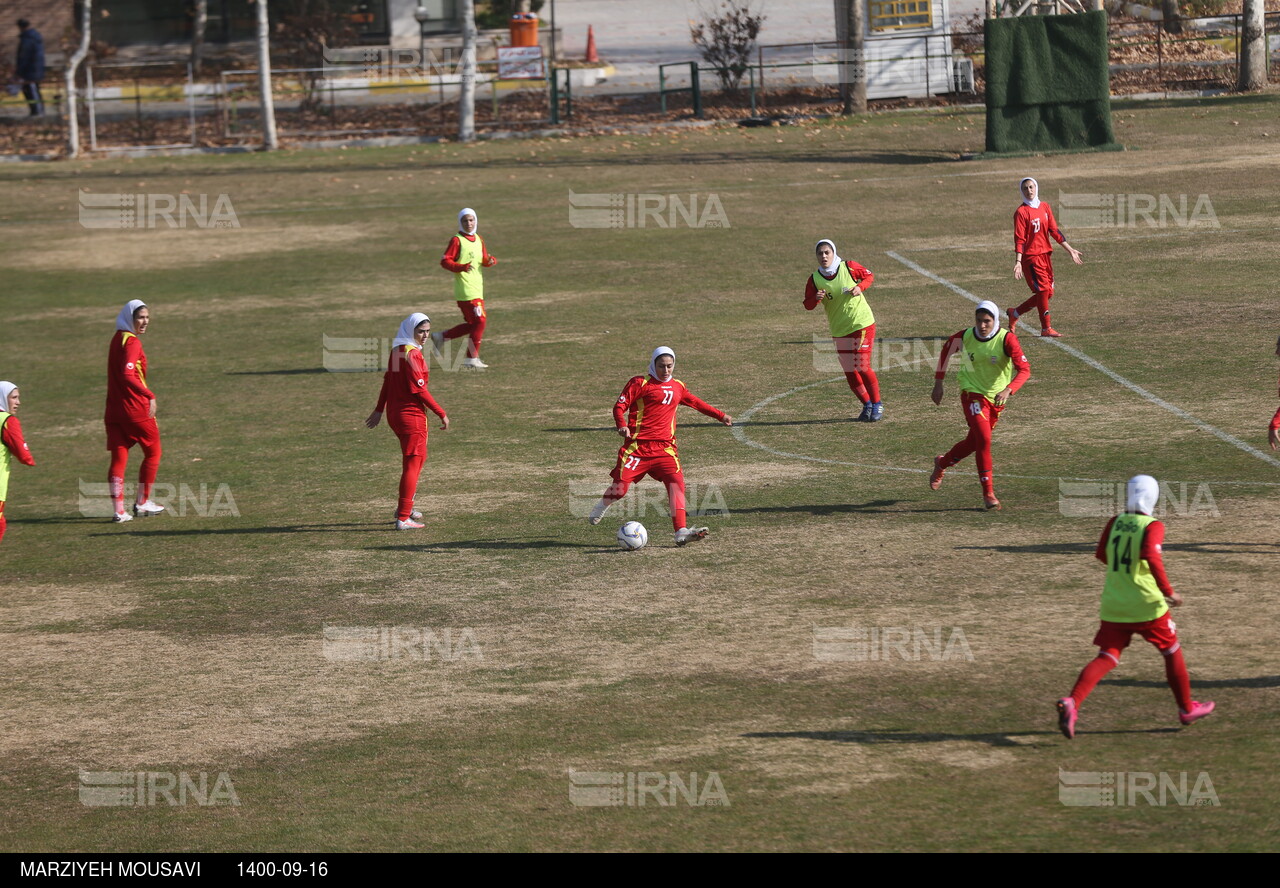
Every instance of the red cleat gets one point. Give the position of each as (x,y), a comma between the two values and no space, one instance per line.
(1050,333)
(989,500)
(1013,318)
(935,480)
(1198,711)
(1067,717)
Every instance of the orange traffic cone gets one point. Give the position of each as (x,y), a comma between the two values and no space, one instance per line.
(592,55)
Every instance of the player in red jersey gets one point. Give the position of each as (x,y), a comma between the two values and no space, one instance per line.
(1135,600)
(14,445)
(1033,225)
(464,256)
(992,368)
(131,411)
(405,398)
(838,286)
(1273,434)
(645,415)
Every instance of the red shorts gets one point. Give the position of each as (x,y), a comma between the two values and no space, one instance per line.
(854,350)
(1114,637)
(664,467)
(975,405)
(471,311)
(411,429)
(1037,271)
(125,434)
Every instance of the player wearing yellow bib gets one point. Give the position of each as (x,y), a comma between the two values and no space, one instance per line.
(1136,598)
(465,256)
(992,368)
(11,442)
(838,286)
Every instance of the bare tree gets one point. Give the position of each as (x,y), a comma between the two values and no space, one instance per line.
(1172,16)
(467,95)
(851,22)
(73,65)
(269,140)
(726,40)
(1253,47)
(198,26)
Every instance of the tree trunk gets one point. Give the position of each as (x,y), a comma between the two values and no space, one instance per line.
(467,95)
(1172,16)
(73,65)
(197,34)
(269,139)
(853,68)
(1253,47)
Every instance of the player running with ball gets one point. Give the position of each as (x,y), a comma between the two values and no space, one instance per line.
(1136,598)
(989,358)
(645,415)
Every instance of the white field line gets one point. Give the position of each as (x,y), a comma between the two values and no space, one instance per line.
(744,419)
(1102,368)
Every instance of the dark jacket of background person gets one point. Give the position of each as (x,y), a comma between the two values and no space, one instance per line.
(30,65)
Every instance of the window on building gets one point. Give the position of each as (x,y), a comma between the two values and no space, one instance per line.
(898,15)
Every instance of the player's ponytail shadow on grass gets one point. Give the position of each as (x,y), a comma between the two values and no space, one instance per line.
(1001,738)
(1261,681)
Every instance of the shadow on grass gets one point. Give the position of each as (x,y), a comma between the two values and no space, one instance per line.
(495,544)
(694,425)
(288,528)
(300,371)
(1002,738)
(880,339)
(873,507)
(1040,548)
(1261,681)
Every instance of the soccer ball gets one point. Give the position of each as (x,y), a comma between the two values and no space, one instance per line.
(632,535)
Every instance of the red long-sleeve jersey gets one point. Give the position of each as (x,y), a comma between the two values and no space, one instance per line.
(1152,539)
(451,254)
(12,438)
(1275,420)
(1012,348)
(128,397)
(1033,228)
(862,276)
(404,385)
(647,409)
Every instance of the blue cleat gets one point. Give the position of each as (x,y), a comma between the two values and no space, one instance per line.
(877,412)
(865,415)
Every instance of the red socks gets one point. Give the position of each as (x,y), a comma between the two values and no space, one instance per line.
(412,467)
(856,385)
(1175,671)
(1090,676)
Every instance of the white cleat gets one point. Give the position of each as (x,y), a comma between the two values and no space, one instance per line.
(597,512)
(142,510)
(690,535)
(409,525)
(122,517)
(437,341)
(475,364)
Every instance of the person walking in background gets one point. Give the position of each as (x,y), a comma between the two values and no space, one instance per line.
(838,286)
(1033,225)
(1136,598)
(404,393)
(12,443)
(130,416)
(989,358)
(465,256)
(30,65)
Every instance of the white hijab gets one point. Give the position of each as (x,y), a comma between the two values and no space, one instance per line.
(124,320)
(653,361)
(1141,494)
(6,389)
(467,211)
(988,305)
(404,336)
(1031,203)
(829,271)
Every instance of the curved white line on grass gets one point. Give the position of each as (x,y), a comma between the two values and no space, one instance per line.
(1102,368)
(744,419)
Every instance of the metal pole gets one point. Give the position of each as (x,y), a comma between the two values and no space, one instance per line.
(697,90)
(93,119)
(191,103)
(555,97)
(662,89)
(752,80)
(553,30)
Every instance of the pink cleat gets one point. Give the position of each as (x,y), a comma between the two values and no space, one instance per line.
(935,479)
(1197,712)
(1067,717)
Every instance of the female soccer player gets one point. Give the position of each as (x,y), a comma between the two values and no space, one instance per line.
(1033,225)
(645,415)
(1273,434)
(989,358)
(14,445)
(1136,597)
(131,411)
(404,390)
(838,286)
(464,257)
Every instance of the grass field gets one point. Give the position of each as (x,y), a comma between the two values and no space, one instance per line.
(196,642)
